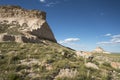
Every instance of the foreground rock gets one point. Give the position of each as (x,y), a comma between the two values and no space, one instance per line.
(91,65)
(115,65)
(83,54)
(21,25)
(67,73)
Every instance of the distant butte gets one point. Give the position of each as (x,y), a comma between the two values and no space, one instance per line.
(100,50)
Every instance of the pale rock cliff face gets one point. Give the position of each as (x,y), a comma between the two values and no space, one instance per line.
(21,25)
(100,50)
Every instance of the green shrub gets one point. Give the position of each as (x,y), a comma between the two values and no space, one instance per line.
(107,64)
(3,28)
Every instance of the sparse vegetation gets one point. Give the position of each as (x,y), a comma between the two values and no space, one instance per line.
(28,61)
(12,29)
(3,28)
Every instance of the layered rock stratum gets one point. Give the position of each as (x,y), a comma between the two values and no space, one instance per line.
(22,25)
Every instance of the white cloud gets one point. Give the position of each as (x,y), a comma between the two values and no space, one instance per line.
(51,4)
(116,36)
(69,40)
(105,43)
(107,34)
(42,1)
(115,40)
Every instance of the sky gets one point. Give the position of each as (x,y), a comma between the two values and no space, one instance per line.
(80,24)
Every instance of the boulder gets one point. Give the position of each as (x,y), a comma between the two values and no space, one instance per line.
(69,73)
(83,54)
(91,65)
(115,65)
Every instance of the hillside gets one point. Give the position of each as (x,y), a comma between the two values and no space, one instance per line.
(49,61)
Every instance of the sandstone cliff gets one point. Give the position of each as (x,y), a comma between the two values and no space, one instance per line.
(21,25)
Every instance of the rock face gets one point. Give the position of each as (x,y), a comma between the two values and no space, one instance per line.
(21,25)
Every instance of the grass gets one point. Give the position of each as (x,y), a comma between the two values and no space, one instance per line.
(43,61)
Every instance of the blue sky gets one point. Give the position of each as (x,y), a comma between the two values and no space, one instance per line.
(80,24)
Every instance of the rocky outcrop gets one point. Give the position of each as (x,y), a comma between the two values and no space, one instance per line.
(100,50)
(21,25)
(115,65)
(83,54)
